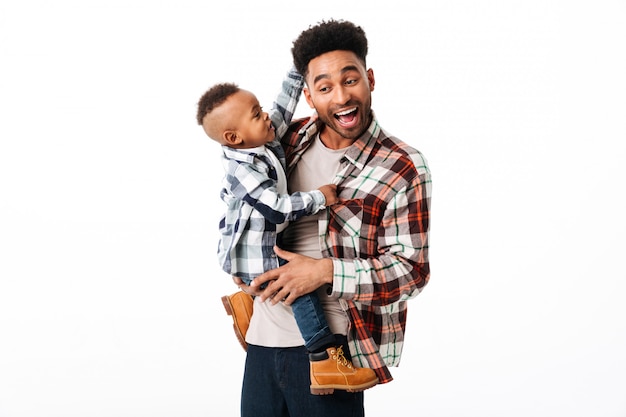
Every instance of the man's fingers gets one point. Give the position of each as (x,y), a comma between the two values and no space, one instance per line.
(242,286)
(286,255)
(265,277)
(268,291)
(289,299)
(280,296)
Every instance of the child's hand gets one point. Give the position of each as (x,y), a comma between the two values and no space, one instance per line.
(330,193)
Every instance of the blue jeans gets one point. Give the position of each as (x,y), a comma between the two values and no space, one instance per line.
(309,315)
(276,383)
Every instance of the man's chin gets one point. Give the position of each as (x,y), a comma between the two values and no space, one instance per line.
(349,131)
(352,133)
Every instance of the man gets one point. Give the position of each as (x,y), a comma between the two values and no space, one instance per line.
(365,256)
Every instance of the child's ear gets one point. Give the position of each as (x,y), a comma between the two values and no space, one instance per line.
(232,138)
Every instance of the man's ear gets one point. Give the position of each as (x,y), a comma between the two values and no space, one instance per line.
(370,78)
(231,138)
(307,96)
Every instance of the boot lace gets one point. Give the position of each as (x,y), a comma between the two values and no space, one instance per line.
(342,359)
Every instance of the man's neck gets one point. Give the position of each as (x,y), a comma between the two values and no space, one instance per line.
(332,140)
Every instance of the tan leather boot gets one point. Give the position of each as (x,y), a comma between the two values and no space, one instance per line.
(330,370)
(239,306)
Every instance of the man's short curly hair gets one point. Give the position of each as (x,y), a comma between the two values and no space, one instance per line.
(327,36)
(214,97)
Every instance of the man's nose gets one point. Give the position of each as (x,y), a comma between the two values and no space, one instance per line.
(342,95)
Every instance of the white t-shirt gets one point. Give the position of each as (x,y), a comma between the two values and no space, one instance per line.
(274,325)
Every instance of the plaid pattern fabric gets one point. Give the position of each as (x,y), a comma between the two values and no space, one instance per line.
(253,205)
(377,237)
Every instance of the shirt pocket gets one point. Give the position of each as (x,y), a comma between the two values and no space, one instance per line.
(346,218)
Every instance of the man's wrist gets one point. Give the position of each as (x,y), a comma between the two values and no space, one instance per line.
(328,270)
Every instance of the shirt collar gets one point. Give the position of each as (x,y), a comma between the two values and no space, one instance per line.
(243,155)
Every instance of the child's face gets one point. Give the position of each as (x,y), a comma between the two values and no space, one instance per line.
(248,123)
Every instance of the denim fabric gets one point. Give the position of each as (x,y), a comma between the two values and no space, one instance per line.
(276,383)
(311,321)
(309,315)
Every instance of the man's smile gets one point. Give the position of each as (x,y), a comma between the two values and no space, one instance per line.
(347,118)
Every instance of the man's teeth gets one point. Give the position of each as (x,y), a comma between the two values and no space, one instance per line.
(343,113)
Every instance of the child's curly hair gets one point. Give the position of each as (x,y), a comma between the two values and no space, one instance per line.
(213,98)
(327,36)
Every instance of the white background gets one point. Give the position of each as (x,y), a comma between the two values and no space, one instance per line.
(110,290)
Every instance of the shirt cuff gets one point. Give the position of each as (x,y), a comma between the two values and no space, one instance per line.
(318,199)
(344,278)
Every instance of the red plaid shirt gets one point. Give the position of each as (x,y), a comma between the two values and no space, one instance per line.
(377,237)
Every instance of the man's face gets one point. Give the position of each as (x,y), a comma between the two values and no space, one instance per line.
(339,89)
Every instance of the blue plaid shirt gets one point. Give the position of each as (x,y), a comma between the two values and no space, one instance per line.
(254,206)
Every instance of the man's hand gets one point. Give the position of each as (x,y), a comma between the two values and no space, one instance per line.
(301,275)
(249,289)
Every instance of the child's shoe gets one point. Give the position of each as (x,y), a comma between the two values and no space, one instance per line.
(239,306)
(330,370)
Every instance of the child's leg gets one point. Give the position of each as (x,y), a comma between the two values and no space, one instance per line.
(312,323)
(330,369)
(311,320)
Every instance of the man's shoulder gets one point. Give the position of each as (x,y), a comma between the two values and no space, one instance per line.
(398,150)
(296,126)
(294,134)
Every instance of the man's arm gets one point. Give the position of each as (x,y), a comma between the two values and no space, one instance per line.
(399,267)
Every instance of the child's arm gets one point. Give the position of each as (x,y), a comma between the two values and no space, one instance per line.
(285,105)
(251,184)
(330,193)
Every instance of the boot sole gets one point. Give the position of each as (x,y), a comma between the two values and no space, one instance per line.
(329,389)
(229,310)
